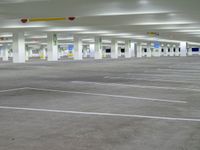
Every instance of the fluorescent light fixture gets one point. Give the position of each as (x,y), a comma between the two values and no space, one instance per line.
(188,31)
(171,28)
(132,13)
(106,41)
(121,42)
(194,43)
(43,43)
(164,23)
(192,33)
(31,42)
(172,14)
(24,26)
(94,32)
(6,41)
(117,34)
(38,37)
(66,29)
(68,38)
(134,36)
(64,43)
(6,35)
(143,2)
(88,40)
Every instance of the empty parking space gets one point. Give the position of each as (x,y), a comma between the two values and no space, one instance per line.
(73,105)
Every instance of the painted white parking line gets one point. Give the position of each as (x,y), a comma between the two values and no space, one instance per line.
(101,114)
(15,89)
(136,86)
(144,79)
(189,77)
(179,70)
(108,95)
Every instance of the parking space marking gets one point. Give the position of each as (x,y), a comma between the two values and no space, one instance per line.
(144,79)
(179,70)
(136,86)
(15,89)
(193,77)
(108,95)
(101,114)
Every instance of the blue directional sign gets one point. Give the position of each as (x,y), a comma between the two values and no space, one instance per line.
(156,44)
(70,47)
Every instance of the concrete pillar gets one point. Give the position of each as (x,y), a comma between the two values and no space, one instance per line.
(52,47)
(27,55)
(30,53)
(128,49)
(78,47)
(177,53)
(165,51)
(62,53)
(139,50)
(92,50)
(5,53)
(98,48)
(133,49)
(114,49)
(59,53)
(199,51)
(190,53)
(149,50)
(157,52)
(19,47)
(183,46)
(43,53)
(171,53)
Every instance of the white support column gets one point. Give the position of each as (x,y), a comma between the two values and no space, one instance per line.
(190,51)
(30,53)
(199,51)
(59,52)
(165,51)
(114,49)
(43,53)
(78,47)
(5,53)
(183,46)
(171,51)
(19,47)
(27,55)
(92,50)
(128,49)
(133,49)
(98,48)
(149,50)
(52,47)
(177,53)
(157,52)
(139,50)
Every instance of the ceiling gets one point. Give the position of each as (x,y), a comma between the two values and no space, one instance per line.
(174,20)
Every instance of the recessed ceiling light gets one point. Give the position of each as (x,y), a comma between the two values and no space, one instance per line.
(143,2)
(172,14)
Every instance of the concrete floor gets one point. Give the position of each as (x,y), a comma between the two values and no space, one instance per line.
(135,104)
